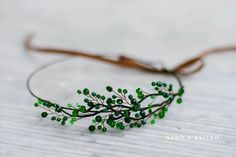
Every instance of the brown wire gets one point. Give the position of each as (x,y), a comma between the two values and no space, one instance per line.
(181,69)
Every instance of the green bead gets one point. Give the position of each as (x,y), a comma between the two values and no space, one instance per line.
(86,91)
(153,121)
(91,128)
(142,114)
(131,125)
(141,96)
(58,119)
(75,113)
(138,90)
(161,115)
(156,88)
(69,105)
(53,118)
(138,125)
(159,83)
(109,88)
(130,97)
(99,127)
(97,106)
(65,118)
(125,91)
(93,94)
(137,115)
(40,101)
(164,84)
(143,122)
(79,91)
(127,120)
(44,114)
(114,96)
(36,104)
(104,129)
(90,104)
(86,100)
(149,110)
(98,118)
(181,91)
(72,120)
(119,101)
(103,97)
(119,90)
(63,122)
(117,113)
(126,113)
(82,109)
(179,101)
(165,95)
(153,83)
(170,87)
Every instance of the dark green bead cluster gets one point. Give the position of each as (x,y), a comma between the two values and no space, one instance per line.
(119,110)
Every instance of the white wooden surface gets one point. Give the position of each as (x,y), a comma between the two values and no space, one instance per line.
(153,30)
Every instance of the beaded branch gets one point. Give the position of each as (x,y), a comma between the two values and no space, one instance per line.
(120,109)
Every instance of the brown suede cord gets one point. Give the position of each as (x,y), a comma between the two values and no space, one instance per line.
(184,68)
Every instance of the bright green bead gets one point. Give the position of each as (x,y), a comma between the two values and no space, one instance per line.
(109,88)
(179,101)
(138,90)
(44,114)
(75,113)
(98,118)
(91,128)
(141,96)
(82,109)
(161,115)
(86,91)
(153,121)
(69,105)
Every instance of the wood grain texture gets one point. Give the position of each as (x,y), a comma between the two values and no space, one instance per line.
(154,30)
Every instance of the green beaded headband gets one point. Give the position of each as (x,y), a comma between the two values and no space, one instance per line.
(120,109)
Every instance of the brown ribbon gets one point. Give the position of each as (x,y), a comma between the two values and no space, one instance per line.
(182,69)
